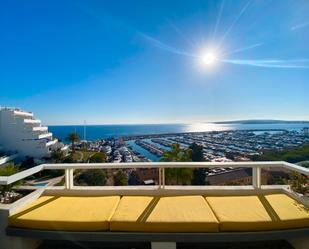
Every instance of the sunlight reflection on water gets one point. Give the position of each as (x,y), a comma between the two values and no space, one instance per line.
(199,127)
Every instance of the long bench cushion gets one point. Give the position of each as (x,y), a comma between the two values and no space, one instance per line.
(67,213)
(256,213)
(164,214)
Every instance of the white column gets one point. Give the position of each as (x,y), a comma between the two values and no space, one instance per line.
(71,172)
(163,245)
(163,177)
(256,177)
(69,178)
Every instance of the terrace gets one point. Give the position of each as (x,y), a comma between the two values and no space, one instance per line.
(162,215)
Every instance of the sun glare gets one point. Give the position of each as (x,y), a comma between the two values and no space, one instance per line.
(208,58)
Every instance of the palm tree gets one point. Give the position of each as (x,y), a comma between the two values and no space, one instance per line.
(176,154)
(73,137)
(181,175)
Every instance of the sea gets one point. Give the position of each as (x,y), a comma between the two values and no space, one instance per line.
(95,132)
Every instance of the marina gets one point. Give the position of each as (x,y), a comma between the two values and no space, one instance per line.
(218,146)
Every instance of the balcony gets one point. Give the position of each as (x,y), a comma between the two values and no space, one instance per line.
(40,128)
(52,142)
(45,135)
(160,215)
(24,114)
(32,121)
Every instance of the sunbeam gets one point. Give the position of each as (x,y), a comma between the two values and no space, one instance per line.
(302,63)
(164,46)
(181,34)
(208,57)
(234,22)
(238,50)
(218,19)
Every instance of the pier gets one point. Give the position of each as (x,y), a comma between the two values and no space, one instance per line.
(150,147)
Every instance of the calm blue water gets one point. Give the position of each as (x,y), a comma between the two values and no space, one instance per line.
(142,151)
(95,132)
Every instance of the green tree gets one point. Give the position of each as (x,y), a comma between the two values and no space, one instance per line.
(92,177)
(57,155)
(179,176)
(120,179)
(73,137)
(176,154)
(299,183)
(98,157)
(305,164)
(199,174)
(7,170)
(69,159)
(27,163)
(196,152)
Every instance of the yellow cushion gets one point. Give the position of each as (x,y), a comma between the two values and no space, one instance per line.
(256,213)
(163,214)
(67,213)
(288,213)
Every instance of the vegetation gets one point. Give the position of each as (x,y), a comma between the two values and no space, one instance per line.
(57,155)
(73,138)
(185,176)
(298,182)
(27,163)
(69,159)
(91,177)
(196,152)
(120,179)
(98,157)
(176,154)
(7,170)
(181,176)
(305,164)
(199,174)
(289,155)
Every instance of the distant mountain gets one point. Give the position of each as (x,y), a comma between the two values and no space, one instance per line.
(263,121)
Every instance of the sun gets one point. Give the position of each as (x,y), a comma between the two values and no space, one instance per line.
(208,58)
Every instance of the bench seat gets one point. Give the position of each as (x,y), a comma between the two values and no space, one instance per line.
(173,214)
(164,214)
(258,213)
(67,213)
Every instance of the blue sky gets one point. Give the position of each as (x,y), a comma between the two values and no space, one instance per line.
(140,61)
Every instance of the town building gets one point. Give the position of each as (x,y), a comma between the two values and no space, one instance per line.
(21,133)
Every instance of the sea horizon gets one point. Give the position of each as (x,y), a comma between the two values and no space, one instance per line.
(96,132)
(257,121)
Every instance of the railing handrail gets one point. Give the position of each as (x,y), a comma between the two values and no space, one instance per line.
(256,166)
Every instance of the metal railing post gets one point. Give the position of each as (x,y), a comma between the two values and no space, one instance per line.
(256,177)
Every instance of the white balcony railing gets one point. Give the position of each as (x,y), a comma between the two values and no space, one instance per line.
(161,166)
(40,128)
(32,121)
(45,135)
(25,114)
(52,142)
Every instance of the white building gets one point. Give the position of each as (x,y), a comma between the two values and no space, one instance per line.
(20,132)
